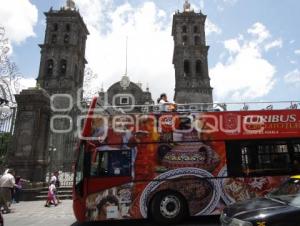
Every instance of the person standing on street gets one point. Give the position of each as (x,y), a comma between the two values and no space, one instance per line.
(18,188)
(7,183)
(56,182)
(51,198)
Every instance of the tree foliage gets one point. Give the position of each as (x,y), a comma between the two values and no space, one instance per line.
(88,89)
(7,67)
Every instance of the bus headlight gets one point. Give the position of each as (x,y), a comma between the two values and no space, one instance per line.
(237,222)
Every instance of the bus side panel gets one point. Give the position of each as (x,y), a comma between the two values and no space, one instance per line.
(184,171)
(115,203)
(184,153)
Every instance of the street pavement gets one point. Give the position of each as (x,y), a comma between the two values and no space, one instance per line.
(35,214)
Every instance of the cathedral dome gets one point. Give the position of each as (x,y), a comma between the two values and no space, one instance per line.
(126,92)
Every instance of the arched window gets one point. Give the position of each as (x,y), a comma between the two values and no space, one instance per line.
(68,27)
(196,29)
(55,27)
(54,39)
(197,40)
(63,67)
(186,67)
(184,40)
(198,67)
(66,39)
(49,67)
(184,29)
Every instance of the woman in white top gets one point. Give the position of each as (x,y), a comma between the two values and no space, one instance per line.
(164,104)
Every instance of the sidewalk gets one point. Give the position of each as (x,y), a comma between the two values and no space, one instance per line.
(35,214)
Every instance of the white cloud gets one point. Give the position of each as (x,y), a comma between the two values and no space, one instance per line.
(223,4)
(275,44)
(18,18)
(260,32)
(246,74)
(16,85)
(220,8)
(27,83)
(201,4)
(150,45)
(293,77)
(19,83)
(297,52)
(232,2)
(232,45)
(293,62)
(210,28)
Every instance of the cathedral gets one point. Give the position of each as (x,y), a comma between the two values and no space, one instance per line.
(63,62)
(192,82)
(62,67)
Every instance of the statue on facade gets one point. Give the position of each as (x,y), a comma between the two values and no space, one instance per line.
(187,6)
(70,5)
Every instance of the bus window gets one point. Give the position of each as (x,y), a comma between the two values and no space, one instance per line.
(111,163)
(261,158)
(297,148)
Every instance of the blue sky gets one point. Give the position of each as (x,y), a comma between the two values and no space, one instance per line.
(254,44)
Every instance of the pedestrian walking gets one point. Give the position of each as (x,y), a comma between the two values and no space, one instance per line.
(18,189)
(55,180)
(7,183)
(51,198)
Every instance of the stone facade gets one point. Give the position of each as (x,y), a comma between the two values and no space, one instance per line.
(192,82)
(29,154)
(62,72)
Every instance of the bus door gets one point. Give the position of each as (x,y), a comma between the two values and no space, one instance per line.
(80,182)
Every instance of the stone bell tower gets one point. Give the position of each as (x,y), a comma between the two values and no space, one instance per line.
(190,57)
(61,71)
(63,52)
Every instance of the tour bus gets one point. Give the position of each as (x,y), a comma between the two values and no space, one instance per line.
(169,165)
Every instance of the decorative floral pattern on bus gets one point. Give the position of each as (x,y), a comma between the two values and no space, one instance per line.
(185,152)
(242,188)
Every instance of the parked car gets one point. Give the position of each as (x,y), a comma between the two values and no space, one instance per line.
(279,208)
(1,219)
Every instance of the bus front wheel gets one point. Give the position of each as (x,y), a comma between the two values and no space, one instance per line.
(168,207)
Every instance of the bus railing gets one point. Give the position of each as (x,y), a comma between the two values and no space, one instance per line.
(201,107)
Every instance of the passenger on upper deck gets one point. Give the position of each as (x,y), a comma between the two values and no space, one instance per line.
(164,104)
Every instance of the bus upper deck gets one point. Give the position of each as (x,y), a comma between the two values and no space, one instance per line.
(280,119)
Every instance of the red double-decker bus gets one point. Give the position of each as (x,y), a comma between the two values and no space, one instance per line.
(169,165)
